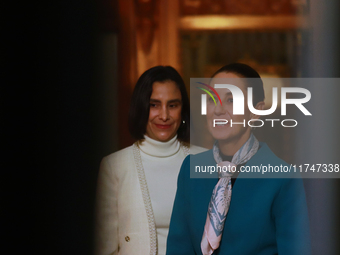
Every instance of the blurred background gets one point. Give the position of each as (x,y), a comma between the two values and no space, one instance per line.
(76,63)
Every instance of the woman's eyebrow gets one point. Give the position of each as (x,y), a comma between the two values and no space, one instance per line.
(175,101)
(170,101)
(224,94)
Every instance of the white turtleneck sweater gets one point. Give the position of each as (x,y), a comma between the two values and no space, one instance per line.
(162,162)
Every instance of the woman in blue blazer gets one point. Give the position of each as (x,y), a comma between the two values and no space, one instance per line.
(259,215)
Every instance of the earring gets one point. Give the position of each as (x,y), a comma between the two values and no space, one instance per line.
(183,121)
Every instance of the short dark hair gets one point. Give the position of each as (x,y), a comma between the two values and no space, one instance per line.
(246,72)
(140,101)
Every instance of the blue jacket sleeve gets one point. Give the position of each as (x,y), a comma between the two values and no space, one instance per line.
(291,219)
(179,242)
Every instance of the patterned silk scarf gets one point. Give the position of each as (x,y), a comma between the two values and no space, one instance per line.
(221,196)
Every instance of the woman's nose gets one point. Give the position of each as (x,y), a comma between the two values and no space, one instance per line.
(164,114)
(219,109)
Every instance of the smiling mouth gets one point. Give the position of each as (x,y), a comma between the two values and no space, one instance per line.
(162,126)
(224,123)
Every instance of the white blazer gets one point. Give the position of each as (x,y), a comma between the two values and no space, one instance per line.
(125,222)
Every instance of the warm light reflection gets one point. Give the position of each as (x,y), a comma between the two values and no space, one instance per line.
(223,22)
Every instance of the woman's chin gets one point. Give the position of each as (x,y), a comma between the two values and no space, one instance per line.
(219,132)
(221,135)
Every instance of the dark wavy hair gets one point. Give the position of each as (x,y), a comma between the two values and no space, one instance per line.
(140,102)
(246,71)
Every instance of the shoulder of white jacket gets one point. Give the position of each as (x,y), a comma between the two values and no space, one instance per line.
(120,155)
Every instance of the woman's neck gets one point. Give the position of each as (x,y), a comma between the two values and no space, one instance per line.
(159,149)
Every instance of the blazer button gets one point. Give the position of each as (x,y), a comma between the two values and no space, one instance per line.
(127,238)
